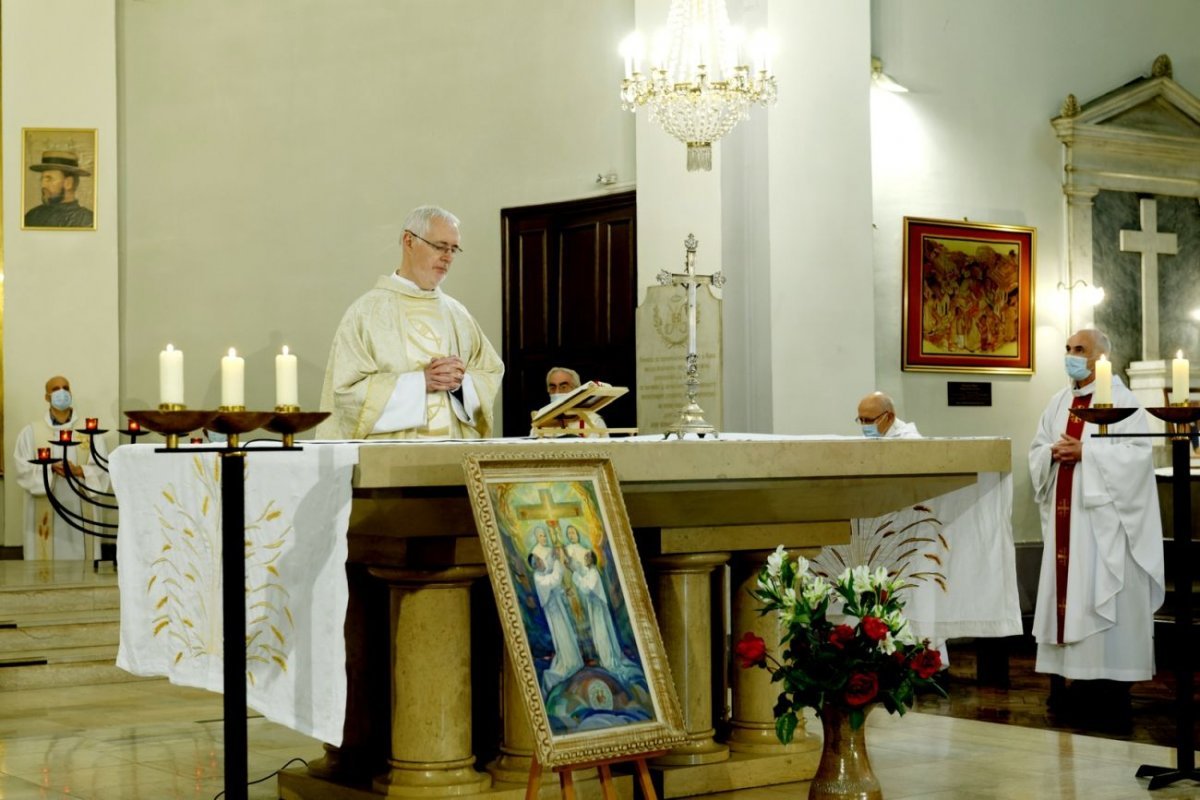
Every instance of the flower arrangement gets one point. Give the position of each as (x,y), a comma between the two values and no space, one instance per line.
(846,643)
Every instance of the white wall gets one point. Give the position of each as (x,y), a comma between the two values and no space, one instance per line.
(60,287)
(273,148)
(973,139)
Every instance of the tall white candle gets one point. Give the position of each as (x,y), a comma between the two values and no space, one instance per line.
(691,300)
(286,393)
(233,380)
(170,376)
(1180,378)
(1103,381)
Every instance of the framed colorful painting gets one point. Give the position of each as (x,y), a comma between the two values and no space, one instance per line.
(578,625)
(968,297)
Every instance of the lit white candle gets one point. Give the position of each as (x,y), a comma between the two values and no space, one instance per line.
(286,393)
(170,376)
(1103,381)
(233,380)
(1180,378)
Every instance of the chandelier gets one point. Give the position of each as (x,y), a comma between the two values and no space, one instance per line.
(697,83)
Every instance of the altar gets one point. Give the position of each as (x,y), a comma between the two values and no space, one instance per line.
(431,710)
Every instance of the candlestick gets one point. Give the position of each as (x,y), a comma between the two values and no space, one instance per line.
(1180,379)
(91,424)
(133,426)
(233,380)
(43,453)
(1103,394)
(64,436)
(286,392)
(170,377)
(691,299)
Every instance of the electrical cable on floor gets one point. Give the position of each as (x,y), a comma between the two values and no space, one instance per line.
(218,795)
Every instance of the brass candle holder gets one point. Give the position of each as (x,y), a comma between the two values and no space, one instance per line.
(233,421)
(1179,418)
(289,423)
(171,423)
(1103,415)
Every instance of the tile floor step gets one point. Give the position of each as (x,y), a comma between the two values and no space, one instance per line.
(98,652)
(88,628)
(47,676)
(16,602)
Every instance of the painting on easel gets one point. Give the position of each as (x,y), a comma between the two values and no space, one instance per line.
(578,624)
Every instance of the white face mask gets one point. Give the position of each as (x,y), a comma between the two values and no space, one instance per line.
(60,399)
(871,431)
(1077,368)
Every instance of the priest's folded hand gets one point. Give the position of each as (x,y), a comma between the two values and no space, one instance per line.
(1067,449)
(444,374)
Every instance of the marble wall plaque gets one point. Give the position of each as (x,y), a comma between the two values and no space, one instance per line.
(662,338)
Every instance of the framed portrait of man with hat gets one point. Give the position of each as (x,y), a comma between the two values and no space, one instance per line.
(59,191)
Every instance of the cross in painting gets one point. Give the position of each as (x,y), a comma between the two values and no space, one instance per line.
(1151,243)
(548,509)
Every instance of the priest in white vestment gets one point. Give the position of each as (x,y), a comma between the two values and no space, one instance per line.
(1102,562)
(47,535)
(408,361)
(877,416)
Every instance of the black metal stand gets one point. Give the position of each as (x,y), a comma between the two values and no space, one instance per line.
(233,612)
(1185,748)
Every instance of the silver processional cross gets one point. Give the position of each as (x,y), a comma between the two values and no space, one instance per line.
(691,417)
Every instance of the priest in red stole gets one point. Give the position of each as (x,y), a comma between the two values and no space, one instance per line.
(1102,563)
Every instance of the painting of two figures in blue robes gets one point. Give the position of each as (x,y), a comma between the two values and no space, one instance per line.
(575,613)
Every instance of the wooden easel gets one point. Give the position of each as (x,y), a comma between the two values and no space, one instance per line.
(607,790)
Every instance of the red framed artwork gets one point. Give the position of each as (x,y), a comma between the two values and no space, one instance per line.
(968,297)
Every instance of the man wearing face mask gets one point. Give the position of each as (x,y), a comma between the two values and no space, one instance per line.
(877,416)
(1102,560)
(47,536)
(564,380)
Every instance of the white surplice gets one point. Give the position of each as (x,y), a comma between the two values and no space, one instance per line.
(1115,571)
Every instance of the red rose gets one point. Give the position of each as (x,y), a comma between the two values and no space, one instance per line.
(899,657)
(874,628)
(861,688)
(751,649)
(841,636)
(926,663)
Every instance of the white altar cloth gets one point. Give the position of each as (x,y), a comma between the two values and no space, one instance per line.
(169,549)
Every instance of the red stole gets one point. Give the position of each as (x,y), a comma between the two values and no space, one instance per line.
(1062,515)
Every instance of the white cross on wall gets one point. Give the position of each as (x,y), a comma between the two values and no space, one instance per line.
(1150,243)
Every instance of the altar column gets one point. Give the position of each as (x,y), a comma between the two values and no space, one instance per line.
(684,597)
(752,726)
(431,683)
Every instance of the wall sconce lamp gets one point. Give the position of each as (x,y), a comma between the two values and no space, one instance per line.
(1088,295)
(882,80)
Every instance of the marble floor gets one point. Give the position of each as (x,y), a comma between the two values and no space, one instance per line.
(153,740)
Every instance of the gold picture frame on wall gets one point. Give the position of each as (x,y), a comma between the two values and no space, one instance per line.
(58,179)
(968,297)
(578,625)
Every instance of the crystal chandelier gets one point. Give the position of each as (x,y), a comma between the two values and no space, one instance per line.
(695,84)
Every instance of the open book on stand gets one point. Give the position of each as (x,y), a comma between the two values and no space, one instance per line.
(573,411)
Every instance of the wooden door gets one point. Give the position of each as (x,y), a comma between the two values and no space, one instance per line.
(570,290)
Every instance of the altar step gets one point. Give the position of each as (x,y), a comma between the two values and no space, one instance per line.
(59,625)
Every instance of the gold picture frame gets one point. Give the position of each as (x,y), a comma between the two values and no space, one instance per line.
(578,624)
(58,184)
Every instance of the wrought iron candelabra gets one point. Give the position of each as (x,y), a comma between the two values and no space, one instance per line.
(172,422)
(1179,419)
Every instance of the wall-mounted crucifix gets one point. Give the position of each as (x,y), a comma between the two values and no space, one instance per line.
(1151,243)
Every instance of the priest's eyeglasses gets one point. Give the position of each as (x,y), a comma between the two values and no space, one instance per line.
(870,420)
(444,249)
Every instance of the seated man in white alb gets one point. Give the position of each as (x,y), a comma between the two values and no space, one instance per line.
(564,380)
(877,416)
